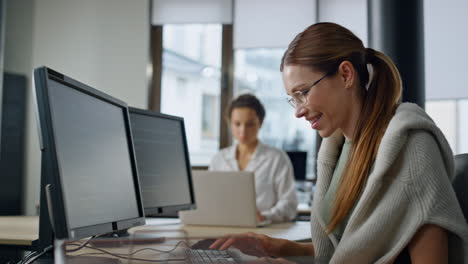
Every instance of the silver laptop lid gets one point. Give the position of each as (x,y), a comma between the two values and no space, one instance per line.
(223,198)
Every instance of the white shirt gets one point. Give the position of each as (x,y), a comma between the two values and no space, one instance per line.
(274,179)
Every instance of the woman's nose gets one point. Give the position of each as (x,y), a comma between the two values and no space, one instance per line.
(242,130)
(300,111)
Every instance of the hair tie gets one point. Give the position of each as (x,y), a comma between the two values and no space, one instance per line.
(370,54)
(370,70)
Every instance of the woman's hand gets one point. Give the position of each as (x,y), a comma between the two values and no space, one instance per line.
(263,246)
(251,244)
(260,217)
(267,260)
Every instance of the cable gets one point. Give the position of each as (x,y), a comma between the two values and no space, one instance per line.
(33,258)
(130,258)
(27,257)
(137,251)
(80,245)
(127,256)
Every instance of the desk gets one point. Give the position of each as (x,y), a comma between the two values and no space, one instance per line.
(22,230)
(296,231)
(18,230)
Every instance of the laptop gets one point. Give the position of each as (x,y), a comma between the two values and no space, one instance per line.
(223,199)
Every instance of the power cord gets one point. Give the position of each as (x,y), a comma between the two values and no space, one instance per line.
(35,255)
(128,256)
(80,245)
(27,256)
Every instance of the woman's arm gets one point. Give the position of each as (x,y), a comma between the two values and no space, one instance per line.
(262,245)
(290,248)
(285,208)
(429,245)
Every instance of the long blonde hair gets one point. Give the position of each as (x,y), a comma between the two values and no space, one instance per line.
(322,47)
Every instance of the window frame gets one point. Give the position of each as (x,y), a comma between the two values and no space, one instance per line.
(227,77)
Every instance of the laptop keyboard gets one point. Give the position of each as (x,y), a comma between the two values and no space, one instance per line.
(196,256)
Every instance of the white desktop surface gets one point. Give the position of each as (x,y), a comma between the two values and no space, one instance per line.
(22,230)
(296,231)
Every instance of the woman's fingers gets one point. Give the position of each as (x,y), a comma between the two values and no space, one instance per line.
(217,243)
(229,242)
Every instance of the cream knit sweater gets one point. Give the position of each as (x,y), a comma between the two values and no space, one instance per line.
(410,185)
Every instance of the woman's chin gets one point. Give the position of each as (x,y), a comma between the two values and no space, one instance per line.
(325,133)
(246,142)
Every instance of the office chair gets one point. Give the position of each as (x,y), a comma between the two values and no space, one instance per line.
(460,182)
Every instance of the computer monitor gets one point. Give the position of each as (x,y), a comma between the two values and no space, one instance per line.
(299,163)
(163,162)
(89,179)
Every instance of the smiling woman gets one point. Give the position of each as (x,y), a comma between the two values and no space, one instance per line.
(384,168)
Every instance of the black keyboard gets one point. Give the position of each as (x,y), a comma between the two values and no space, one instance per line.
(196,256)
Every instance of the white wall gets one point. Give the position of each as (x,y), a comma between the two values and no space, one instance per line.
(102,43)
(351,14)
(270,23)
(18,36)
(446,42)
(192,11)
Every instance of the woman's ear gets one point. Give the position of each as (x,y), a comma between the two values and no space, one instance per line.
(347,73)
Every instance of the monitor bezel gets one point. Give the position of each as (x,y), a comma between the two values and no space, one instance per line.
(51,173)
(168,210)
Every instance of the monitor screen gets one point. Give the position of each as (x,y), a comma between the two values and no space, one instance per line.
(88,150)
(91,145)
(162,161)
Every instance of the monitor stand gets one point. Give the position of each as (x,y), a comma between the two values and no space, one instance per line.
(123,238)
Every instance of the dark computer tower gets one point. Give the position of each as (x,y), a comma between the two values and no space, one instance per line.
(12,143)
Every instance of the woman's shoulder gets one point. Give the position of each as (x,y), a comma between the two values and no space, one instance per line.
(424,147)
(274,153)
(412,133)
(225,152)
(220,160)
(423,160)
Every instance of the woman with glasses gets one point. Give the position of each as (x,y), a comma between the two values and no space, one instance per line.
(274,178)
(384,169)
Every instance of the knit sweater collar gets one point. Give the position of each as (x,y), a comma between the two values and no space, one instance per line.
(408,116)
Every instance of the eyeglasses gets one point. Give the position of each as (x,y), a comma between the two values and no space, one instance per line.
(300,97)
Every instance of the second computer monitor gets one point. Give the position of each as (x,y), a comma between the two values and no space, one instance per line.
(163,162)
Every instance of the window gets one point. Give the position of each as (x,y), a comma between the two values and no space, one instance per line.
(450,116)
(462,126)
(191,85)
(444,115)
(210,116)
(257,71)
